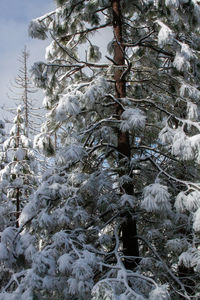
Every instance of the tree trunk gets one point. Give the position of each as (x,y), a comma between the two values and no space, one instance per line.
(128,229)
(25,79)
(17,207)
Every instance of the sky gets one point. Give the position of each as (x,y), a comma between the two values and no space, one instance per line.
(15,16)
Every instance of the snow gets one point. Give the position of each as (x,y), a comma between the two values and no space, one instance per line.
(166,135)
(182,146)
(3,252)
(68,106)
(165,35)
(27,143)
(65,263)
(43,142)
(8,235)
(177,245)
(71,154)
(186,51)
(187,90)
(192,111)
(7,296)
(127,199)
(73,286)
(172,3)
(186,259)
(160,293)
(20,154)
(45,220)
(27,213)
(70,231)
(37,29)
(95,91)
(60,239)
(39,74)
(149,204)
(50,51)
(81,269)
(180,63)
(156,198)
(27,295)
(179,204)
(132,119)
(192,202)
(196,221)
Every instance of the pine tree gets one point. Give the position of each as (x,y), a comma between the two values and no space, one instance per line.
(6,208)
(118,216)
(20,173)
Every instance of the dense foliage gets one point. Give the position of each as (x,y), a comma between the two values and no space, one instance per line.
(118,217)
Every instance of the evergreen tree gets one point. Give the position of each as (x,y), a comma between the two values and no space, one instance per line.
(6,208)
(20,174)
(118,216)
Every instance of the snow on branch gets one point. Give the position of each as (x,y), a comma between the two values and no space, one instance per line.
(165,35)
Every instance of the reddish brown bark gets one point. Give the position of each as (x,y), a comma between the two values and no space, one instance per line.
(120,84)
(128,229)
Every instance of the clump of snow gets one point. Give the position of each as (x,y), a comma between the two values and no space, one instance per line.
(177,245)
(43,143)
(132,118)
(95,92)
(50,51)
(45,220)
(160,293)
(166,135)
(172,3)
(65,263)
(180,63)
(192,111)
(127,199)
(182,58)
(8,235)
(165,35)
(192,202)
(27,213)
(61,239)
(181,145)
(186,51)
(27,143)
(37,29)
(71,154)
(187,90)
(196,223)
(68,106)
(195,144)
(39,74)
(181,198)
(4,255)
(186,259)
(20,154)
(156,198)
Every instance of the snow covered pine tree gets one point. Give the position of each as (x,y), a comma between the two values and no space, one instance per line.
(20,172)
(18,181)
(119,216)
